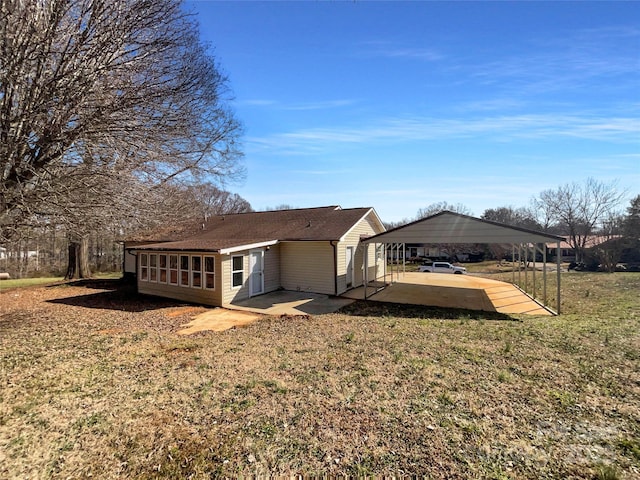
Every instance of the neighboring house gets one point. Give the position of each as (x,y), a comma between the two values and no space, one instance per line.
(568,252)
(238,256)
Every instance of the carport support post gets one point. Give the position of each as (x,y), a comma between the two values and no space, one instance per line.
(513,263)
(365,278)
(533,272)
(558,262)
(526,266)
(520,265)
(544,273)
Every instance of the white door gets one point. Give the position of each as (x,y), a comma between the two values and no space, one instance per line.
(349,263)
(256,272)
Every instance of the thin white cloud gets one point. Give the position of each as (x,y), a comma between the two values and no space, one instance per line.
(497,128)
(393,50)
(322,172)
(565,63)
(301,106)
(258,102)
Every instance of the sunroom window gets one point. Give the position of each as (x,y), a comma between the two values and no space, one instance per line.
(184,270)
(209,272)
(196,272)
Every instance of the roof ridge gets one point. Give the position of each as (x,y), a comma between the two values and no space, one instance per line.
(255,212)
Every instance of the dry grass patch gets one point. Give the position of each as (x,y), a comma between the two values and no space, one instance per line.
(96,382)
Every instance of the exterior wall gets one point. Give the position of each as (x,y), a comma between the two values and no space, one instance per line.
(130,262)
(365,227)
(271,274)
(272,269)
(187,294)
(307,267)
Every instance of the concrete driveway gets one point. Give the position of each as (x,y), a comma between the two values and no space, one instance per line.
(455,291)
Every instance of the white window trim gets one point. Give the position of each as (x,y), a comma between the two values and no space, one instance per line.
(233,272)
(177,269)
(192,271)
(144,255)
(188,270)
(205,273)
(156,268)
(166,268)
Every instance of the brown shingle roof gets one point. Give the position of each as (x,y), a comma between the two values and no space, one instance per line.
(307,224)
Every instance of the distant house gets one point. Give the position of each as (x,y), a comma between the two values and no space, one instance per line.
(568,253)
(238,256)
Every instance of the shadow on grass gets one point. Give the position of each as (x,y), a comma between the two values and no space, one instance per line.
(120,296)
(368,308)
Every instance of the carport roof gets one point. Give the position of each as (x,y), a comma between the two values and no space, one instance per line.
(451,227)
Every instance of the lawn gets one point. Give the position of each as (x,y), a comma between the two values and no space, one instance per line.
(35,281)
(96,382)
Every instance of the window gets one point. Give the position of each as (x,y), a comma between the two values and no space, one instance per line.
(184,270)
(196,272)
(173,269)
(144,267)
(163,268)
(209,273)
(236,271)
(153,267)
(193,271)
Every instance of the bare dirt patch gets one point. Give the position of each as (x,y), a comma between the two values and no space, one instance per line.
(218,320)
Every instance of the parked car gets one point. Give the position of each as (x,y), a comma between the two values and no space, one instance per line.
(442,267)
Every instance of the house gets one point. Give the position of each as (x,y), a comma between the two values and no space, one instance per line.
(238,256)
(568,252)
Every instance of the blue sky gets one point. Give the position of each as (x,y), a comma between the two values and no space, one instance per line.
(398,105)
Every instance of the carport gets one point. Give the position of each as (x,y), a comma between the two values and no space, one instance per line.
(455,228)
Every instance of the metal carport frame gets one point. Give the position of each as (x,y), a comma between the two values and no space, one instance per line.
(451,228)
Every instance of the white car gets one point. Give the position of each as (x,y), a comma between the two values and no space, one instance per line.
(442,267)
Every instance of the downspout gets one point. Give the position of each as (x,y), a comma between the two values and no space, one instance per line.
(334,244)
(124,257)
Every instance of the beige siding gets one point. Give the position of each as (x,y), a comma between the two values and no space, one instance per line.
(234,293)
(129,262)
(272,269)
(195,295)
(271,274)
(307,267)
(365,227)
(187,294)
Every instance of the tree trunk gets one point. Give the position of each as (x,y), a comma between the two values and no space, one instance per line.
(78,266)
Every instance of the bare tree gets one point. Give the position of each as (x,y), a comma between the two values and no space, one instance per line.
(580,209)
(517,217)
(102,99)
(210,200)
(282,206)
(438,207)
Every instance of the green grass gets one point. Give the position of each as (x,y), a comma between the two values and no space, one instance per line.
(97,383)
(38,281)
(28,282)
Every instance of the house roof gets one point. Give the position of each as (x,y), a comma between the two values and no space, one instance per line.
(451,227)
(230,232)
(592,241)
